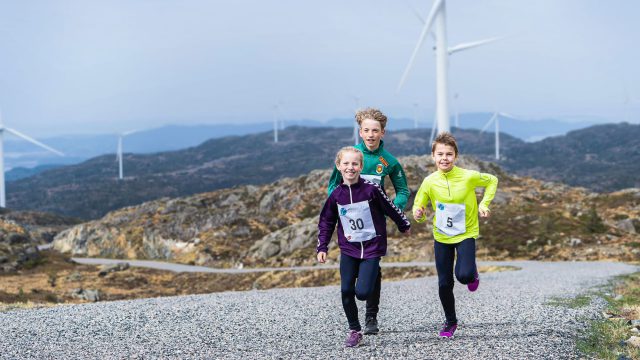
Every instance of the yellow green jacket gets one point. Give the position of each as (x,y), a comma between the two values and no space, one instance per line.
(453,200)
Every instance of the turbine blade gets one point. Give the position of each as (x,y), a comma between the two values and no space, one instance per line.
(414,11)
(425,31)
(33,141)
(471,45)
(129,132)
(508,116)
(489,122)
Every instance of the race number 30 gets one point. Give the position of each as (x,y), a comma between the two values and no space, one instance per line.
(357,224)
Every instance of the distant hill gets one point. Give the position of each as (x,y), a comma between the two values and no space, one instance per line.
(21,172)
(78,148)
(89,190)
(601,158)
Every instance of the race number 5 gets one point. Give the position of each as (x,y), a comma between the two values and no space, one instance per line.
(449,222)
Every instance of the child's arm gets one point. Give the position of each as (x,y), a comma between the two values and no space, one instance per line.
(391,210)
(399,181)
(326,225)
(420,203)
(490,183)
(334,180)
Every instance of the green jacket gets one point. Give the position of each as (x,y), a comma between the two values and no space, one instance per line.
(453,199)
(377,165)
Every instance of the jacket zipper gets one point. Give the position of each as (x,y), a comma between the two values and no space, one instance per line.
(361,244)
(446,178)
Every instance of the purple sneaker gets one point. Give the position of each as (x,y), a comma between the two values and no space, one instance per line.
(448,330)
(473,286)
(353,339)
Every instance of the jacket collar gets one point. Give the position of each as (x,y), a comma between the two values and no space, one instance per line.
(362,147)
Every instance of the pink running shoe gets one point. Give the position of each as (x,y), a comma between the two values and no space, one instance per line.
(473,286)
(353,339)
(447,331)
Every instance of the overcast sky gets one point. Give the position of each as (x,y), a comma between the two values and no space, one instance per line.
(112,65)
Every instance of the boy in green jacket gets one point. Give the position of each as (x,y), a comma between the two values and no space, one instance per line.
(378,163)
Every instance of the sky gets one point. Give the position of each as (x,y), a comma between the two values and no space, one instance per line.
(108,66)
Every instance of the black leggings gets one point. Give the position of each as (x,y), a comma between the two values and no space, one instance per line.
(465,272)
(367,271)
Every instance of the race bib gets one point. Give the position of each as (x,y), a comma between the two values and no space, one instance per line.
(450,218)
(356,220)
(377,179)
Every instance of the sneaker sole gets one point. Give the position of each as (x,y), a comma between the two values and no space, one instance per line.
(371,332)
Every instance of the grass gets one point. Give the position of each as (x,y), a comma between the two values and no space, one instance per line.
(573,303)
(605,338)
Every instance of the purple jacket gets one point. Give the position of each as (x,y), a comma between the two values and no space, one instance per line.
(372,200)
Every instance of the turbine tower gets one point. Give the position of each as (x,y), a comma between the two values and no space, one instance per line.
(356,136)
(495,118)
(119,154)
(437,17)
(275,123)
(4,129)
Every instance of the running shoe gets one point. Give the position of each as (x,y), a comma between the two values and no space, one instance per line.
(353,339)
(473,286)
(448,330)
(371,325)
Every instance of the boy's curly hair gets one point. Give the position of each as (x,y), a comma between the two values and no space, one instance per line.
(373,114)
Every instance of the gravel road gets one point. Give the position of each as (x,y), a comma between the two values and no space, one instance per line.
(507,318)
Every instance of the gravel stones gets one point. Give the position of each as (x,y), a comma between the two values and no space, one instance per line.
(510,316)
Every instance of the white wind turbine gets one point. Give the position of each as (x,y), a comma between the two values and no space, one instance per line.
(119,153)
(415,115)
(437,15)
(455,106)
(20,135)
(275,123)
(495,118)
(356,136)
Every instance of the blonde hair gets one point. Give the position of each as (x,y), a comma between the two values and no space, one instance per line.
(445,138)
(346,149)
(371,113)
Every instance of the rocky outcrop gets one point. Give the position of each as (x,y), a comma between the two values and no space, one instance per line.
(17,249)
(276,224)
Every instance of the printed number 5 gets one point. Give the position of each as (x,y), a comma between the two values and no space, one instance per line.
(449,222)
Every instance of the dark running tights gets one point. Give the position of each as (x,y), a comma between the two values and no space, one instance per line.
(465,271)
(367,272)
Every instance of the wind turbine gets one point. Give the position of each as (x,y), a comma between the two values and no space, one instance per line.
(495,118)
(275,123)
(119,154)
(356,136)
(455,106)
(20,135)
(437,16)
(415,115)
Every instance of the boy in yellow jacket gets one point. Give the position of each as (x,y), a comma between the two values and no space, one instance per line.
(451,191)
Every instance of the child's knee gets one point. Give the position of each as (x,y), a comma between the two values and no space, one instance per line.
(363,295)
(348,291)
(466,277)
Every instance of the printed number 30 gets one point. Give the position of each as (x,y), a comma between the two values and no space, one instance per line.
(357,224)
(449,222)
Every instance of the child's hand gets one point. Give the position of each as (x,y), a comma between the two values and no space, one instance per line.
(484,213)
(419,212)
(407,233)
(322,257)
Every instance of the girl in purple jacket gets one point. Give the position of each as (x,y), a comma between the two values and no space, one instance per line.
(359,208)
